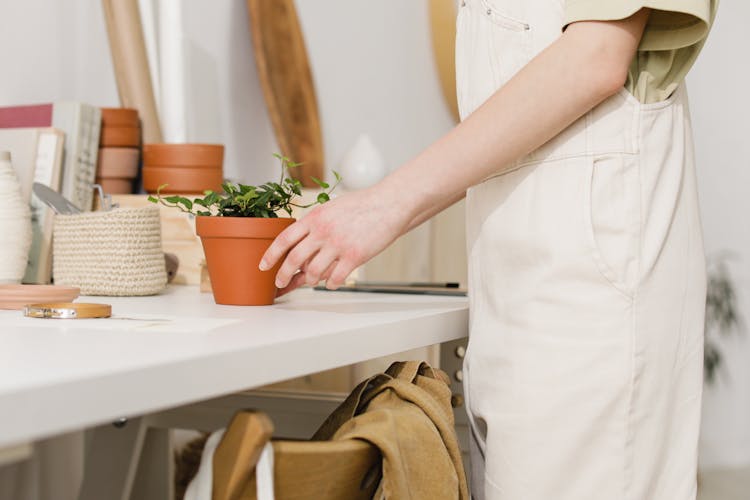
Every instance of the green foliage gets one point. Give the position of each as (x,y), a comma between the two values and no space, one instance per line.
(722,317)
(240,200)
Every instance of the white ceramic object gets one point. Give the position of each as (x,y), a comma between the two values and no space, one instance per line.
(362,165)
(15,225)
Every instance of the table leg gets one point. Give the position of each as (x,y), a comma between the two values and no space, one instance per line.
(154,479)
(111,461)
(15,453)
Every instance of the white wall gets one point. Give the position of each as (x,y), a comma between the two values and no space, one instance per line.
(720,108)
(371,63)
(55,50)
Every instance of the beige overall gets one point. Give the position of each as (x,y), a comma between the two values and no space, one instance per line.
(587,288)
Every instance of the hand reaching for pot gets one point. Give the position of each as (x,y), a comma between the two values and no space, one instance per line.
(335,238)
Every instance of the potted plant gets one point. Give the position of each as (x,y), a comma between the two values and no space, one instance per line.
(236,228)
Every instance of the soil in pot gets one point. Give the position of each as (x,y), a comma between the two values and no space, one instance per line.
(233,247)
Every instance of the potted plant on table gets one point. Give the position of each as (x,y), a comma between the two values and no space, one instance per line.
(236,228)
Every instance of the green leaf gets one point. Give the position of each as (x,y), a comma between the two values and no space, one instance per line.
(320,183)
(323,197)
(153,199)
(337,175)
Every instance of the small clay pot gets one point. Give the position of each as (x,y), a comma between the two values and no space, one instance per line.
(184,180)
(184,155)
(114,185)
(121,163)
(120,117)
(129,137)
(233,247)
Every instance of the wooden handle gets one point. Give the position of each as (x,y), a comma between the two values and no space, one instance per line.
(131,63)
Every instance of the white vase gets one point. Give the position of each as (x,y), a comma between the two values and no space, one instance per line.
(15,225)
(362,165)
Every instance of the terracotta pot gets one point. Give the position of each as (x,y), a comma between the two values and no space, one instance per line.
(233,248)
(129,137)
(184,155)
(114,185)
(120,117)
(184,180)
(121,163)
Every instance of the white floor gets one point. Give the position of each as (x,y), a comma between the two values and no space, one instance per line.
(724,484)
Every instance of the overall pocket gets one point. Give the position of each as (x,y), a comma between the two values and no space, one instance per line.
(613,218)
(509,38)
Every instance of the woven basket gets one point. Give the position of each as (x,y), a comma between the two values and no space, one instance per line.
(115,253)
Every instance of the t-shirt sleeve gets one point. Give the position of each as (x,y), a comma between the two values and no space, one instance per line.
(673,24)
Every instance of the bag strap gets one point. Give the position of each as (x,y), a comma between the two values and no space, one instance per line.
(408,370)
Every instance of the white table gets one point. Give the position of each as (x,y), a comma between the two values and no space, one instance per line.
(179,347)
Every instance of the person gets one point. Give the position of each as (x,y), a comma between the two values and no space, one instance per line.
(583,373)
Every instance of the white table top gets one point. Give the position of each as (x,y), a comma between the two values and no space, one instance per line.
(180,347)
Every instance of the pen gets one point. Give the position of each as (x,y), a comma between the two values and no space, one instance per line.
(417,284)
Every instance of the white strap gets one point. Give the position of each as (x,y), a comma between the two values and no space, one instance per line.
(264,473)
(200,487)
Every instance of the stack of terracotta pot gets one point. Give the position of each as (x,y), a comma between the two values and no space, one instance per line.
(119,150)
(183,168)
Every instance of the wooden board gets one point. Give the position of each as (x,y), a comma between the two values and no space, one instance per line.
(130,61)
(443,28)
(284,72)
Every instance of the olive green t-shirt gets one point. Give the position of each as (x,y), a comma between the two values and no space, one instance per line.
(674,35)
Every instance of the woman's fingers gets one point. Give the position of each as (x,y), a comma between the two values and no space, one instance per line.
(338,274)
(297,281)
(301,253)
(281,245)
(319,265)
(301,278)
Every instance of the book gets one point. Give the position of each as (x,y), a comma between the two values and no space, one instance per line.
(36,156)
(48,171)
(81,124)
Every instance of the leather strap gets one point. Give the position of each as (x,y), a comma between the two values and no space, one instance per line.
(68,310)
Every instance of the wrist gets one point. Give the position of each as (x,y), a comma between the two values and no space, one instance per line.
(400,190)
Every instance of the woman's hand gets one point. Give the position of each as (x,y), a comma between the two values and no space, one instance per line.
(335,238)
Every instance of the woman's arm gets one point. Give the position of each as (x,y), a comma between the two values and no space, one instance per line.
(587,64)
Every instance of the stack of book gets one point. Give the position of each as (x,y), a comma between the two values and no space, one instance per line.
(54,144)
